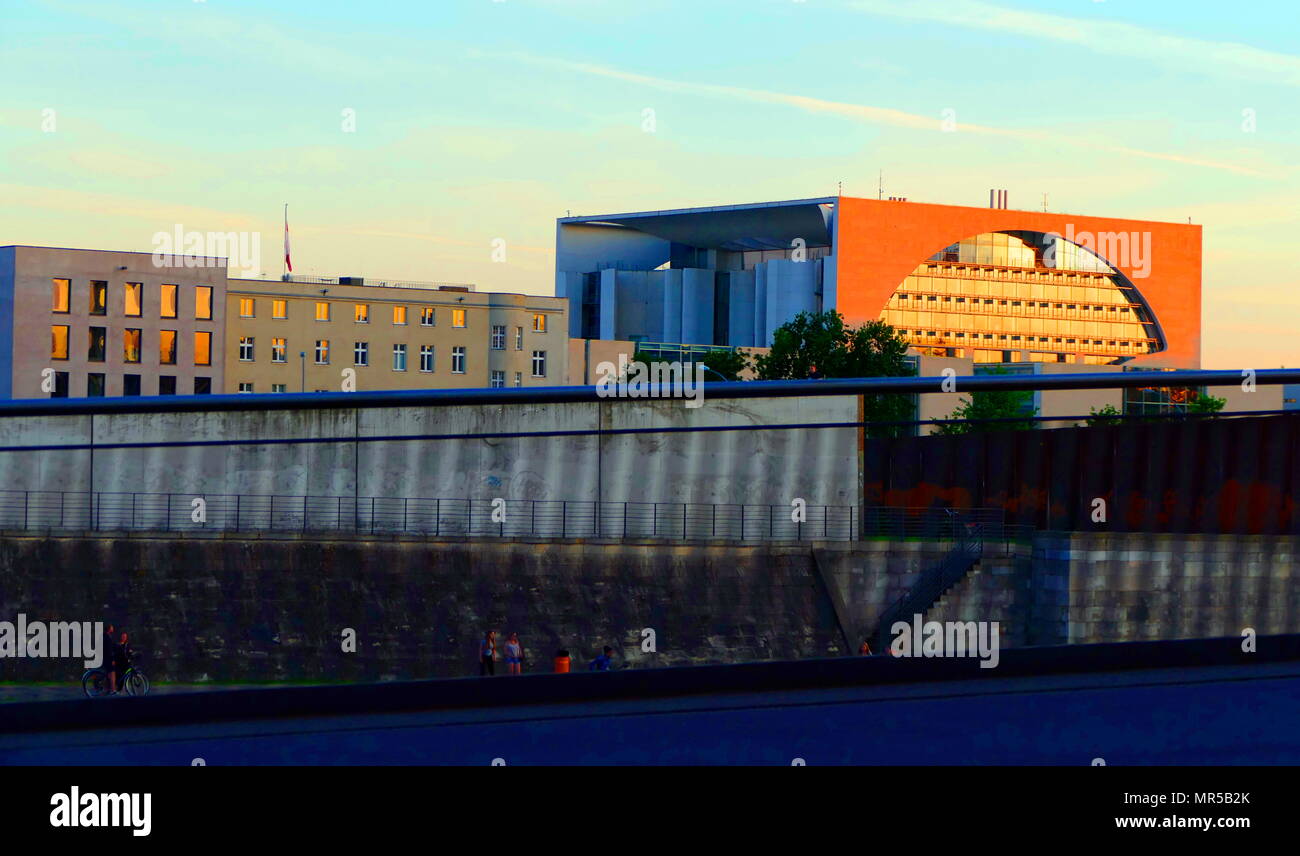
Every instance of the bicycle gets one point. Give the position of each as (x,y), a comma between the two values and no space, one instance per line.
(94,683)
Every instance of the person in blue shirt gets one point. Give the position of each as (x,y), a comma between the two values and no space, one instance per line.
(601,663)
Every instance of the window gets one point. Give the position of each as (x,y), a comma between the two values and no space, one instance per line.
(458,359)
(167,347)
(95,385)
(519,338)
(361,354)
(96,345)
(399,358)
(133,297)
(166,384)
(426,316)
(539,323)
(245,387)
(98,297)
(167,301)
(62,295)
(399,314)
(362,313)
(279,387)
(203,386)
(498,379)
(246,307)
(539,364)
(202,348)
(519,378)
(278,350)
(203,302)
(322,310)
(130,345)
(426,358)
(279,309)
(59,343)
(458,317)
(498,337)
(322,352)
(60,385)
(245,349)
(131,384)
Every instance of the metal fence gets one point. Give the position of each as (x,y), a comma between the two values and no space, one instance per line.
(508,518)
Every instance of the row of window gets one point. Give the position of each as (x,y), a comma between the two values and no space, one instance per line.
(361,315)
(132,299)
(498,382)
(132,345)
(361,355)
(96,384)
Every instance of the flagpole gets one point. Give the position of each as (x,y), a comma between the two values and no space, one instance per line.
(284,262)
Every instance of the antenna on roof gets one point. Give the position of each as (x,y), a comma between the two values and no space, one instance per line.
(880,179)
(1044,203)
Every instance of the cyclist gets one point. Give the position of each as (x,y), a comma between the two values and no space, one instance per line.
(109,645)
(122,656)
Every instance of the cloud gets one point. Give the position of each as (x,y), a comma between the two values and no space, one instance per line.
(863,112)
(1103,36)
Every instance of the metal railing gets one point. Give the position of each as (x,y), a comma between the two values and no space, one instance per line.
(508,518)
(967,538)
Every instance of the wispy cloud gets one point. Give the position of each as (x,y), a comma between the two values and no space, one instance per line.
(864,112)
(1103,36)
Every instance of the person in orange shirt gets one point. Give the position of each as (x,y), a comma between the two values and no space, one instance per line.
(562,661)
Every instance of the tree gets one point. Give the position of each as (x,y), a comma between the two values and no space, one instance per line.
(992,404)
(729,364)
(1108,415)
(821,345)
(1205,403)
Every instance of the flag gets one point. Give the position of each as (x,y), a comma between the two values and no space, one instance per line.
(287,263)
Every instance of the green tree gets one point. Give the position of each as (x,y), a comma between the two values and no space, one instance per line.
(821,344)
(992,404)
(729,364)
(1206,404)
(1108,415)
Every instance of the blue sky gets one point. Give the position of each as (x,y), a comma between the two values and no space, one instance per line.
(477,120)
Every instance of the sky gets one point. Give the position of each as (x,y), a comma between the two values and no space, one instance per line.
(439,140)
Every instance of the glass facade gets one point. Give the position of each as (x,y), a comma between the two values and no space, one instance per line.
(1051,300)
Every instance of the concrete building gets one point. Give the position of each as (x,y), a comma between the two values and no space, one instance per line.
(315,334)
(96,322)
(988,284)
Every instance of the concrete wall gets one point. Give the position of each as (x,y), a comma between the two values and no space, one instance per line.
(264,610)
(819,466)
(242,609)
(1129,586)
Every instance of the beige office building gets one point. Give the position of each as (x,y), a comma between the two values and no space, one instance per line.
(348,334)
(79,323)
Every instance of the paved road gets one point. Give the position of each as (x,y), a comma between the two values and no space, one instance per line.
(1207,715)
(65,692)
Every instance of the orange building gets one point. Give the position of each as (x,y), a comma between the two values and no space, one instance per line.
(989,284)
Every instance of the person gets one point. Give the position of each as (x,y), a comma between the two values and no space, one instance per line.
(562,661)
(813,373)
(603,662)
(110,645)
(514,655)
(487,653)
(865,649)
(122,656)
